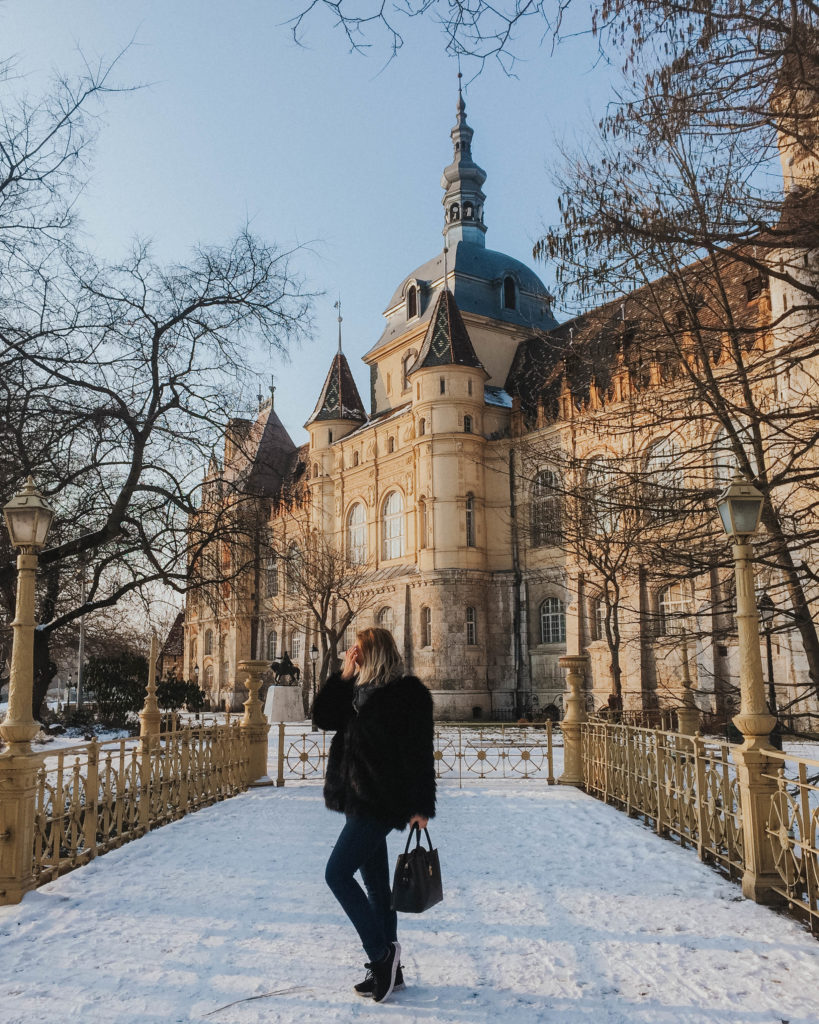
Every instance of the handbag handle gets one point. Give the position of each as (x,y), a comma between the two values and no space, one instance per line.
(417,828)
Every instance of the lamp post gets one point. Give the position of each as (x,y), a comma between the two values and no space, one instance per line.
(28,519)
(740,508)
(767,610)
(313,659)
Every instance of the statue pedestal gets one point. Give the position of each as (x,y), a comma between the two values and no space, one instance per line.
(284,704)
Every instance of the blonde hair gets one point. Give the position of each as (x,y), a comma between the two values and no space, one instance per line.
(380,660)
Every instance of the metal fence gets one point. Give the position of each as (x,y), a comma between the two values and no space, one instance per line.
(687,788)
(94,797)
(461,752)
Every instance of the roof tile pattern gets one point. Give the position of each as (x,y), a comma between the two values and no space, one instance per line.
(447,341)
(339,399)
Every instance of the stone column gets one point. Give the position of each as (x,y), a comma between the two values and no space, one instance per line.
(756,771)
(688,716)
(18,765)
(149,716)
(575,665)
(255,723)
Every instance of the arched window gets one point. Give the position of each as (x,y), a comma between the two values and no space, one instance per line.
(385,618)
(209,641)
(599,619)
(423,525)
(271,576)
(468,423)
(552,621)
(467,211)
(272,640)
(390,444)
(675,607)
(455,212)
(600,497)
(355,458)
(356,535)
(292,570)
(663,478)
(545,512)
(471,627)
(509,293)
(412,302)
(469,510)
(406,364)
(426,627)
(208,674)
(392,526)
(422,427)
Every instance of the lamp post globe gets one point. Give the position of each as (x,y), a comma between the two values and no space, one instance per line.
(314,653)
(28,518)
(740,508)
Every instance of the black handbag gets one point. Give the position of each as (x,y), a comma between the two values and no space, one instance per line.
(416,885)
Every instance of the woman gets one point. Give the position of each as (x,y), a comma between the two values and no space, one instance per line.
(381,775)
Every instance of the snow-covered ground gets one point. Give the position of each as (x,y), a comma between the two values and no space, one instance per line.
(557,909)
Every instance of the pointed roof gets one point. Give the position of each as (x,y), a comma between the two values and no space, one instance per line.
(339,399)
(462,180)
(447,341)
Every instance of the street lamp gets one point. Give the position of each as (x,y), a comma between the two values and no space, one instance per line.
(740,508)
(28,519)
(313,659)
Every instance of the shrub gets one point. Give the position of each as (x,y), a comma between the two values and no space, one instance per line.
(118,686)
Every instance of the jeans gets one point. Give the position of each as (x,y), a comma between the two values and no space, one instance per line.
(362,846)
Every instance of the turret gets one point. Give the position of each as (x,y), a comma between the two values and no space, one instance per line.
(462,180)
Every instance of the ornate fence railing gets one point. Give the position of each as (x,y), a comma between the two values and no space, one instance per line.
(462,752)
(793,831)
(687,788)
(94,797)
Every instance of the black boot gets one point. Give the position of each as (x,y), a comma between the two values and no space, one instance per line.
(384,973)
(365,987)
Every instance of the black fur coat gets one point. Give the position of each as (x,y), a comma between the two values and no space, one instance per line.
(381,758)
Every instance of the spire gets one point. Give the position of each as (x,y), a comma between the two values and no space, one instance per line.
(339,399)
(337,305)
(462,180)
(447,341)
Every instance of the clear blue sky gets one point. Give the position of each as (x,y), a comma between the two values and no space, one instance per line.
(311,144)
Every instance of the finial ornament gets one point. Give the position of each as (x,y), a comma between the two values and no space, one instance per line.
(337,305)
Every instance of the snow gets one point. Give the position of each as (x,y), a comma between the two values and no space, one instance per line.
(557,908)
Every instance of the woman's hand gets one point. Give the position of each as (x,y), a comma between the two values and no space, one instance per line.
(419,820)
(352,660)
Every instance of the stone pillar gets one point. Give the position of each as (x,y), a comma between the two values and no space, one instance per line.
(255,723)
(18,765)
(688,716)
(149,716)
(756,771)
(575,665)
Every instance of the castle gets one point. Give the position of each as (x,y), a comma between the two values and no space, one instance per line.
(448,497)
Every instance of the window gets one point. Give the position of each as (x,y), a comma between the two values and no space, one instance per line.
(467,424)
(724,459)
(272,641)
(209,678)
(471,627)
(467,211)
(355,458)
(209,642)
(423,528)
(295,647)
(390,444)
(392,526)
(348,640)
(455,212)
(664,479)
(426,627)
(552,621)
(389,383)
(753,288)
(329,437)
(443,385)
(271,576)
(469,386)
(674,610)
(412,302)
(509,298)
(292,569)
(469,510)
(545,513)
(385,619)
(356,535)
(601,497)
(406,366)
(422,427)
(599,620)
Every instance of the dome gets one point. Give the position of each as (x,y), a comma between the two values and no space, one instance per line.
(475,276)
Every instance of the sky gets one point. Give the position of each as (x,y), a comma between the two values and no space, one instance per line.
(310,144)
